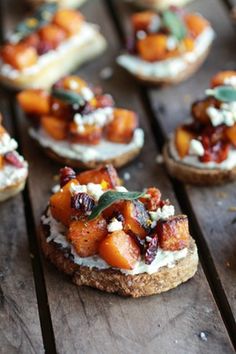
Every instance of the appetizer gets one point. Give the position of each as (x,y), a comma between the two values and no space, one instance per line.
(13,168)
(78,125)
(68,4)
(48,46)
(166,47)
(109,238)
(160,4)
(203,150)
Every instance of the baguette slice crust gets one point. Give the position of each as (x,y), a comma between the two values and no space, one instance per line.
(193,175)
(160,4)
(71,4)
(113,281)
(64,63)
(11,191)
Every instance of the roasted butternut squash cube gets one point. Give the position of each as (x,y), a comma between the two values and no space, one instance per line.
(19,56)
(188,44)
(119,250)
(182,140)
(199,109)
(52,35)
(99,175)
(32,40)
(60,204)
(86,235)
(143,20)
(136,217)
(230,133)
(196,23)
(222,78)
(173,234)
(69,20)
(1,162)
(86,134)
(115,210)
(55,127)
(73,83)
(121,128)
(153,47)
(34,101)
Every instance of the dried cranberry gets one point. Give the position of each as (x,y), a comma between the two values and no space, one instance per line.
(151,250)
(104,101)
(66,174)
(83,202)
(13,159)
(44,48)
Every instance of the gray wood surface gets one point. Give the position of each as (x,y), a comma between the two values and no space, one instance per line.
(88,321)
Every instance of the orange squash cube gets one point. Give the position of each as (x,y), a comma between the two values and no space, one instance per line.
(173,234)
(1,162)
(88,134)
(199,109)
(142,20)
(60,204)
(52,35)
(119,250)
(153,47)
(230,133)
(73,83)
(137,220)
(182,140)
(86,235)
(34,101)
(69,20)
(221,78)
(19,56)
(196,24)
(122,126)
(99,175)
(55,127)
(188,44)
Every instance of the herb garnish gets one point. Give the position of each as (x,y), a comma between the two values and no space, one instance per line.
(223,93)
(110,197)
(173,22)
(67,96)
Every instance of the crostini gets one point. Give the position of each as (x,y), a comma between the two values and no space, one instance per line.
(79,126)
(106,237)
(65,4)
(48,46)
(166,47)
(160,4)
(203,150)
(13,167)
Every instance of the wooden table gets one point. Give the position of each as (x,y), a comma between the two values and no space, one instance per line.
(39,308)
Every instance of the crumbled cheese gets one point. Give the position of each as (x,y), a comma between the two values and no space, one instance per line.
(226,114)
(106,73)
(230,81)
(215,116)
(87,93)
(114,225)
(77,188)
(162,213)
(7,144)
(100,117)
(172,43)
(56,188)
(196,148)
(95,190)
(141,34)
(121,189)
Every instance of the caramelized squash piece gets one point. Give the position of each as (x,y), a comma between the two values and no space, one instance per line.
(32,40)
(173,234)
(115,210)
(69,20)
(88,134)
(99,175)
(153,47)
(230,133)
(221,78)
(52,35)
(137,220)
(55,127)
(143,20)
(1,162)
(19,56)
(152,199)
(119,250)
(122,127)
(73,83)
(182,141)
(188,44)
(60,204)
(196,23)
(86,235)
(34,101)
(199,109)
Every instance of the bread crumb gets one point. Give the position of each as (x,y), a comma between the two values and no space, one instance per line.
(106,73)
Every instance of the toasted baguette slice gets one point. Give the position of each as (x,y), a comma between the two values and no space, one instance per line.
(64,63)
(11,191)
(69,4)
(113,281)
(193,175)
(160,4)
(172,80)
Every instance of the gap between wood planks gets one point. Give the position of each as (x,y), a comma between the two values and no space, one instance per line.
(182,197)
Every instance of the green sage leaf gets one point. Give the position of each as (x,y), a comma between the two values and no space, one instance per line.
(175,25)
(67,96)
(110,197)
(223,93)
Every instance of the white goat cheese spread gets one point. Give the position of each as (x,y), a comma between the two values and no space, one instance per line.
(169,67)
(105,150)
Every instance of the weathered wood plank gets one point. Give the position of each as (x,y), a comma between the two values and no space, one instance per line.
(86,320)
(20,330)
(171,106)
